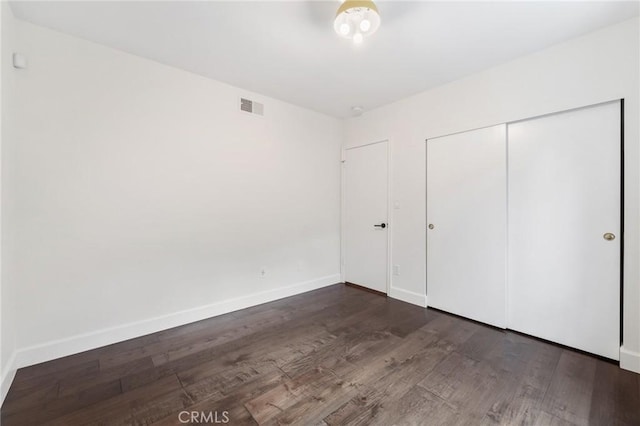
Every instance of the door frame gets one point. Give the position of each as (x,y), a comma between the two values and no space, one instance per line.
(343,192)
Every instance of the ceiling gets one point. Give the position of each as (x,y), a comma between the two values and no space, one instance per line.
(288,50)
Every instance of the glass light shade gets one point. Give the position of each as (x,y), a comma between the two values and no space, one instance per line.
(357,14)
(345,29)
(357,38)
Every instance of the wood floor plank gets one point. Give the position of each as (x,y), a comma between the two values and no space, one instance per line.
(451,328)
(219,338)
(546,419)
(121,409)
(614,400)
(72,385)
(81,362)
(472,387)
(417,406)
(259,356)
(233,402)
(388,376)
(521,408)
(37,398)
(314,407)
(483,342)
(226,382)
(570,393)
(170,347)
(533,364)
(237,415)
(293,390)
(64,405)
(233,353)
(25,384)
(333,356)
(345,352)
(275,401)
(533,361)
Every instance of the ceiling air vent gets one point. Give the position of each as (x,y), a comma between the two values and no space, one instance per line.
(253,107)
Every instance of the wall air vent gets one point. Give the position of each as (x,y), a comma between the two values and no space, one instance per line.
(252,107)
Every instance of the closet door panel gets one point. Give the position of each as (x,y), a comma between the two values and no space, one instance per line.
(466,235)
(563,197)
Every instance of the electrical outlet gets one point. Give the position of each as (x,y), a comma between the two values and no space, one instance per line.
(396,269)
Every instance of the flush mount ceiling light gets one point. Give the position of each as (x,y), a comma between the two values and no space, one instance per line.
(356,19)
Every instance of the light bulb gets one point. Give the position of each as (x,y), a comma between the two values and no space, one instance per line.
(365,25)
(345,29)
(357,38)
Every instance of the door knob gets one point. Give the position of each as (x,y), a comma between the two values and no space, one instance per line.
(382,225)
(609,236)
(431,226)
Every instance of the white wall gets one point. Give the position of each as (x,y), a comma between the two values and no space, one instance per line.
(140,198)
(597,67)
(7,289)
(2,60)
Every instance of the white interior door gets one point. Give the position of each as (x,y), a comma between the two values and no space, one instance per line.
(366,210)
(564,196)
(466,213)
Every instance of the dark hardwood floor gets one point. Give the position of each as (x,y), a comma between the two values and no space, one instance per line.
(334,356)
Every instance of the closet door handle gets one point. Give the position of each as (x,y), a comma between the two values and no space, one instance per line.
(382,225)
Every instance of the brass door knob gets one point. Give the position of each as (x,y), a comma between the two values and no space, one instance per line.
(609,236)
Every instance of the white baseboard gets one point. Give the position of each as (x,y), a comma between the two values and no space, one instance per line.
(87,341)
(408,296)
(629,360)
(8,373)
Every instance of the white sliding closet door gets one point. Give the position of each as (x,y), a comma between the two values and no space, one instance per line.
(466,213)
(564,200)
